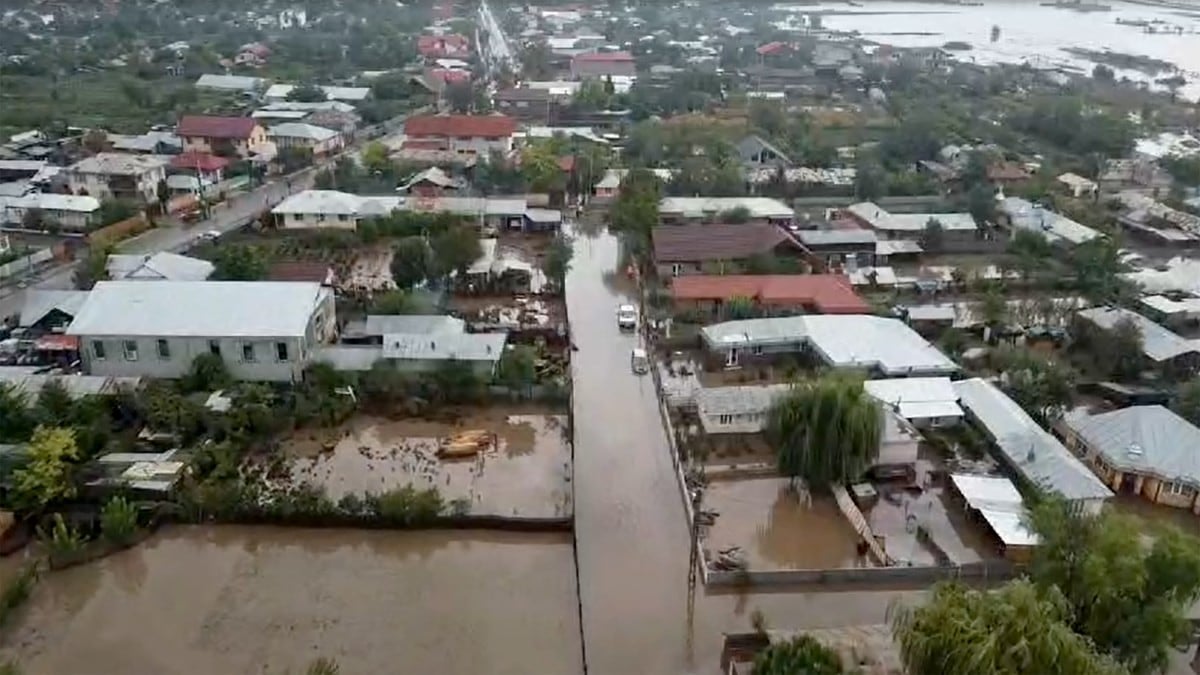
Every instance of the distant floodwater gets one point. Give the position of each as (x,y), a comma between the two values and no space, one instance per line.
(1028,32)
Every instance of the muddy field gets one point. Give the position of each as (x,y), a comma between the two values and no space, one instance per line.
(523,468)
(205,600)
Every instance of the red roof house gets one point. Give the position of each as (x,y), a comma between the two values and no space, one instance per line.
(199,161)
(813,293)
(773,49)
(442,46)
(464,133)
(208,134)
(603,64)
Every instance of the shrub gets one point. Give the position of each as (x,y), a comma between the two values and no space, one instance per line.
(408,506)
(118,521)
(62,540)
(17,591)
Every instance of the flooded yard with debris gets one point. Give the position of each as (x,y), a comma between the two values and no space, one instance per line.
(896,515)
(776,528)
(235,599)
(483,462)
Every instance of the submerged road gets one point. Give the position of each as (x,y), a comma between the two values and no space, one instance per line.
(630,528)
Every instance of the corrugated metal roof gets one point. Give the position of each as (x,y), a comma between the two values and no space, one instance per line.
(1158,343)
(30,385)
(349,357)
(199,309)
(164,265)
(1148,439)
(39,302)
(1028,448)
(917,397)
(759,207)
(445,347)
(845,341)
(738,400)
(413,324)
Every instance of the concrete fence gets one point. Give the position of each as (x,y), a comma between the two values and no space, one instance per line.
(24,264)
(990,570)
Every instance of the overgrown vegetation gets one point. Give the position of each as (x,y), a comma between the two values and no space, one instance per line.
(826,431)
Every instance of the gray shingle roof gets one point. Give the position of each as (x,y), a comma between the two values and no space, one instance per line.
(1158,343)
(1145,439)
(1029,449)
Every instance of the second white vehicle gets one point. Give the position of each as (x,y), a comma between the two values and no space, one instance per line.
(627,317)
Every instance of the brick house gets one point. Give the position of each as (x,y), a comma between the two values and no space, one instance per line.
(772,294)
(720,248)
(603,64)
(463,134)
(210,134)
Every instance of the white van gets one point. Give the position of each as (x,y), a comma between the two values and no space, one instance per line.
(638,361)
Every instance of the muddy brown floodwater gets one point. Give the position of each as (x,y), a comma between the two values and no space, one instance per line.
(630,529)
(231,599)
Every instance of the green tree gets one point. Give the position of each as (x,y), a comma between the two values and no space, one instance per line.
(460,96)
(981,204)
(801,655)
(411,262)
(47,476)
(391,302)
(207,373)
(557,260)
(826,430)
(375,157)
(454,250)
(518,368)
(1128,596)
(740,307)
(1097,266)
(539,166)
(307,93)
(1042,387)
(1004,632)
(17,421)
(869,180)
(993,309)
(115,210)
(94,268)
(1119,350)
(1186,402)
(54,404)
(591,96)
(933,238)
(239,262)
(118,520)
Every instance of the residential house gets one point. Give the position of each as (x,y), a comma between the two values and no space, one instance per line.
(1031,452)
(313,209)
(345,123)
(453,46)
(430,345)
(1162,349)
(431,182)
(772,294)
(71,212)
(743,410)
(262,330)
(1020,214)
(721,248)
(527,105)
(1145,450)
(111,175)
(252,54)
(205,168)
(957,228)
(1007,175)
(841,248)
(320,141)
(161,266)
(280,92)
(692,209)
(926,402)
(602,65)
(49,310)
(232,83)
(610,185)
(996,501)
(464,134)
(149,143)
(887,347)
(1078,186)
(225,136)
(755,152)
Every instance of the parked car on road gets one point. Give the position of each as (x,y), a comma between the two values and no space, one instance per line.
(627,317)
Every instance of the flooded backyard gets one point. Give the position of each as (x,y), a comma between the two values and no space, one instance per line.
(231,599)
(511,464)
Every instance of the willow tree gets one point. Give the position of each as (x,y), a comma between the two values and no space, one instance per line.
(1014,629)
(825,431)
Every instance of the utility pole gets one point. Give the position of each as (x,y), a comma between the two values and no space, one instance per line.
(694,555)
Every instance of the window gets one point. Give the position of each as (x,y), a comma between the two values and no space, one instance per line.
(757,350)
(214,347)
(676,269)
(130,349)
(281,351)
(320,217)
(164,349)
(248,352)
(98,350)
(724,419)
(1177,489)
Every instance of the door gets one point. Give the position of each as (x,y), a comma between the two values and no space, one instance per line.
(731,358)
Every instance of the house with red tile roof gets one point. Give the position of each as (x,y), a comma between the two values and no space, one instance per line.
(462,134)
(772,294)
(603,64)
(721,248)
(208,168)
(443,46)
(227,136)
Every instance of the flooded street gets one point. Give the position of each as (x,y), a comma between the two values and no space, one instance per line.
(231,599)
(631,533)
